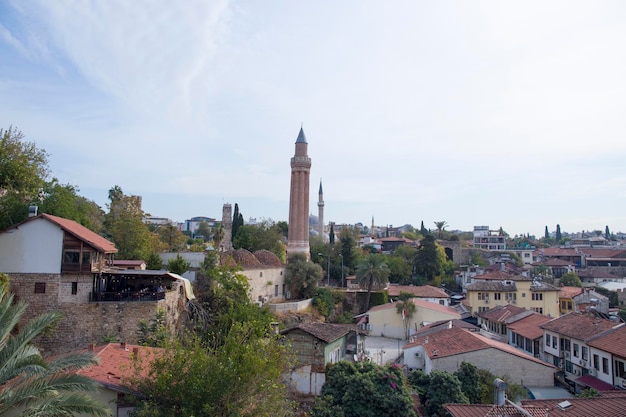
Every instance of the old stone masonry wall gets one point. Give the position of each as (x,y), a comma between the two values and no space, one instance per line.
(85,322)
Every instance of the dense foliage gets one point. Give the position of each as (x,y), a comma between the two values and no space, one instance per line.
(372,271)
(364,389)
(302,277)
(33,384)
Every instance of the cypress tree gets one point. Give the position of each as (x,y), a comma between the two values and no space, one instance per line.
(558,233)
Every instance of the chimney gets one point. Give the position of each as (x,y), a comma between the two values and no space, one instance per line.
(500,393)
(123,345)
(91,347)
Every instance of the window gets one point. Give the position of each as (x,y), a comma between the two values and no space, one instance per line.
(526,255)
(71,257)
(620,369)
(482,295)
(275,290)
(538,310)
(596,362)
(86,257)
(74,288)
(569,305)
(555,342)
(441,302)
(482,309)
(548,340)
(523,294)
(497,295)
(261,274)
(537,296)
(510,296)
(283,289)
(585,353)
(605,366)
(40,287)
(568,366)
(562,305)
(575,350)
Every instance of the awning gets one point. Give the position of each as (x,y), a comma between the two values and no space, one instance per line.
(592,382)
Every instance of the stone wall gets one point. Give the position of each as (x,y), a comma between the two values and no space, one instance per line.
(86,322)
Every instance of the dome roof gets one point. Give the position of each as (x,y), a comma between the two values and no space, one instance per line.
(267,258)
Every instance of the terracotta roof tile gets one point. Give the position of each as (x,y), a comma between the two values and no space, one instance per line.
(609,406)
(569,292)
(530,326)
(115,364)
(420,304)
(579,325)
(81,232)
(491,410)
(456,341)
(502,313)
(613,341)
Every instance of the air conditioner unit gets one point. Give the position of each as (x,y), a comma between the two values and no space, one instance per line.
(486,301)
(288,295)
(582,363)
(513,301)
(592,372)
(566,353)
(265,299)
(259,303)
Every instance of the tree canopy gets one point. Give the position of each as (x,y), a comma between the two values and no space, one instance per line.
(570,279)
(302,277)
(372,271)
(364,389)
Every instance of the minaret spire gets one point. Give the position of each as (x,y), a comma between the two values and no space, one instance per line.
(320,212)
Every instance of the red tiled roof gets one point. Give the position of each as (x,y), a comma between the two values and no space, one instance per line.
(594,382)
(555,262)
(80,232)
(603,253)
(596,273)
(605,406)
(570,292)
(579,325)
(496,275)
(115,364)
(501,313)
(456,341)
(491,410)
(553,252)
(530,326)
(419,304)
(424,291)
(614,342)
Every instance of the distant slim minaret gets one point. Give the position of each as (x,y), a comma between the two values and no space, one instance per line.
(320,212)
(298,236)
(227,227)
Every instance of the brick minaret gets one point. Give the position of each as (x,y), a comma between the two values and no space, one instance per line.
(298,238)
(320,212)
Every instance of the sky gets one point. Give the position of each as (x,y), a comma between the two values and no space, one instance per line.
(503,114)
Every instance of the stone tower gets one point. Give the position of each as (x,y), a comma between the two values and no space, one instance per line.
(298,236)
(320,212)
(227,226)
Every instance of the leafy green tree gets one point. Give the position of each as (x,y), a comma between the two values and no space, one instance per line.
(428,261)
(153,333)
(124,225)
(204,230)
(324,302)
(266,235)
(514,392)
(154,262)
(178,265)
(242,377)
(611,295)
(443,388)
(302,277)
(399,269)
(347,248)
(570,279)
(588,393)
(33,384)
(470,383)
(370,272)
(237,222)
(168,238)
(622,314)
(364,389)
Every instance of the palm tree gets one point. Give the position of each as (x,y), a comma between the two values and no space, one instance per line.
(33,385)
(372,270)
(406,308)
(441,227)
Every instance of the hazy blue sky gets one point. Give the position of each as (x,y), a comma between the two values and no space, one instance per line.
(507,114)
